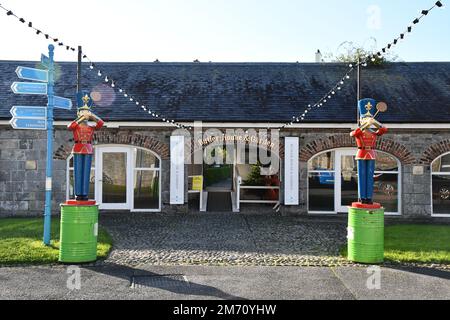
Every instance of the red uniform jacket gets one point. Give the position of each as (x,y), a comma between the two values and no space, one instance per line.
(83,134)
(366,141)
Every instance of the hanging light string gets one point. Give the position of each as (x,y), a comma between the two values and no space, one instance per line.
(92,67)
(130,98)
(363,62)
(321,102)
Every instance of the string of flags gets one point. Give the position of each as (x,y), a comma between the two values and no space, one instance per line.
(297,118)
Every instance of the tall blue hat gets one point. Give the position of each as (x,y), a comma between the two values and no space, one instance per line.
(84,100)
(367,107)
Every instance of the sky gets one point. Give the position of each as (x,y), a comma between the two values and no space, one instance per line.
(221,30)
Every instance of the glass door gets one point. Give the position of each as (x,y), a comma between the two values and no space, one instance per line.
(347,180)
(114,164)
(218,175)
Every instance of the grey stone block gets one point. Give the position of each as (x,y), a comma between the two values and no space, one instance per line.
(26,196)
(17,175)
(12,155)
(8,165)
(26,144)
(9,144)
(17,186)
(5,175)
(421,188)
(14,206)
(35,175)
(422,199)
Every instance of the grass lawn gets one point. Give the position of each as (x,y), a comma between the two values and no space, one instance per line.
(416,243)
(21,242)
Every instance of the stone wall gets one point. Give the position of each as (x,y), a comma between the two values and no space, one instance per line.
(23,157)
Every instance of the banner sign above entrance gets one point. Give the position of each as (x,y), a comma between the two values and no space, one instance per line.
(291,173)
(177,170)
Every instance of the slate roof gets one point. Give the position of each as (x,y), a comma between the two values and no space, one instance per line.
(247,92)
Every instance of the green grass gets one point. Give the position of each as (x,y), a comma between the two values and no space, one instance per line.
(21,242)
(416,243)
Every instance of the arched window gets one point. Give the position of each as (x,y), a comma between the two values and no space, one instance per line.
(333,181)
(122,177)
(440,182)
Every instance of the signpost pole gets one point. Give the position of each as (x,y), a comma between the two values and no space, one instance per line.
(48,179)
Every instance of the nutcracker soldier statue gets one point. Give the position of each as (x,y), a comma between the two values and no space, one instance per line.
(79,217)
(82,151)
(365,232)
(366,138)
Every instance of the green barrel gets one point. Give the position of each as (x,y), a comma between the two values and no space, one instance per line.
(78,233)
(365,235)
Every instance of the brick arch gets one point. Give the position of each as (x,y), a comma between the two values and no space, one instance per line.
(434,151)
(346,141)
(126,138)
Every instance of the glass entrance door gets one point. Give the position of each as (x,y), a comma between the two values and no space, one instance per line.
(113,183)
(218,175)
(347,180)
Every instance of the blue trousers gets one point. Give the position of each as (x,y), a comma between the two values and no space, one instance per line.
(82,173)
(366,171)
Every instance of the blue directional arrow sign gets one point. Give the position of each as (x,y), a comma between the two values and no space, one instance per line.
(62,103)
(28,112)
(29,123)
(29,88)
(32,74)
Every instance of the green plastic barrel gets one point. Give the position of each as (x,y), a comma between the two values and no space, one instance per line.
(78,233)
(365,235)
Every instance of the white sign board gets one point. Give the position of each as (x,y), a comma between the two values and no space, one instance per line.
(176,170)
(291,173)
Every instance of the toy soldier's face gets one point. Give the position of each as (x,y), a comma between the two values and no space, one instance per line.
(365,120)
(83,113)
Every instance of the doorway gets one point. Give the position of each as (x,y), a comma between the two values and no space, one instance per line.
(112,184)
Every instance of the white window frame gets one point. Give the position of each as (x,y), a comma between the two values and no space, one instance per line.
(337,162)
(129,205)
(334,211)
(134,169)
(437,215)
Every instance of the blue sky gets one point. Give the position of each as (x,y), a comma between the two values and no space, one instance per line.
(222,30)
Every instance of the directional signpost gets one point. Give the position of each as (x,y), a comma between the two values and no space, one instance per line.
(28,112)
(29,123)
(62,103)
(32,74)
(29,88)
(40,118)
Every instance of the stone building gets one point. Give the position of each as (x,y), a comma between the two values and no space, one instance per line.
(132,170)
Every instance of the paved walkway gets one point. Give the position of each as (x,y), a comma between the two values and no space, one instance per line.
(224,239)
(202,282)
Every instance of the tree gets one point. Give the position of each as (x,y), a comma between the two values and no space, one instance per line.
(350,52)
